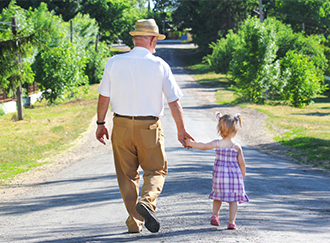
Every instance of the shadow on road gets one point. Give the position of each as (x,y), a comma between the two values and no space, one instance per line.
(35,204)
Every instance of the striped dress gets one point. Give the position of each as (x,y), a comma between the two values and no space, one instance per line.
(227,183)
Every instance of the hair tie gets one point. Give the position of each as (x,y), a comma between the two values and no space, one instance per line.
(218,115)
(237,115)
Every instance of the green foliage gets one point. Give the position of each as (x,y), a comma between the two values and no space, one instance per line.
(66,8)
(2,109)
(303,79)
(61,69)
(326,45)
(207,18)
(85,36)
(96,62)
(130,16)
(307,45)
(222,53)
(113,16)
(253,57)
(109,14)
(85,30)
(48,56)
(15,48)
(253,62)
(60,64)
(311,16)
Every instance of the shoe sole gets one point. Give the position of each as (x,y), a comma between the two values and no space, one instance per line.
(215,223)
(231,227)
(151,221)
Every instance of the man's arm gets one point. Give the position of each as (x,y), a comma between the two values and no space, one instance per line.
(102,109)
(177,114)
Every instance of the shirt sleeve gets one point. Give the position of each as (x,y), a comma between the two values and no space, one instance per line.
(104,88)
(171,89)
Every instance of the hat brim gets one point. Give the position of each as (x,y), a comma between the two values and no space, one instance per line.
(144,33)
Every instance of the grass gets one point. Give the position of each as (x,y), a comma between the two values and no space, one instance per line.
(44,130)
(305,131)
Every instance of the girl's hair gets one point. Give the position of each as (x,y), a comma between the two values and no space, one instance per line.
(228,125)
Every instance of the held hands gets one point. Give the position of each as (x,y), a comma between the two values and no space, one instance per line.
(183,137)
(188,142)
(102,131)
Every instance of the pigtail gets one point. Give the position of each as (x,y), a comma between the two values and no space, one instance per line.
(238,118)
(218,115)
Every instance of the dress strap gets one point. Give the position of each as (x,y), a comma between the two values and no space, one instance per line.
(217,143)
(233,145)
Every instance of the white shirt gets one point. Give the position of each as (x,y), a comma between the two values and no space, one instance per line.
(137,83)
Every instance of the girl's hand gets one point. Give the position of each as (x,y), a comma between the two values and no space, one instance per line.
(187,141)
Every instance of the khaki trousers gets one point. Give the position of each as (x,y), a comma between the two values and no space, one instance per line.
(138,143)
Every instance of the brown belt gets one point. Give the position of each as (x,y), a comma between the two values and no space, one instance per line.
(137,117)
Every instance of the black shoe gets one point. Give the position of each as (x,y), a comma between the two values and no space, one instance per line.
(151,221)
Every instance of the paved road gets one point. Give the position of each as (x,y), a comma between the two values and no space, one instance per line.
(82,203)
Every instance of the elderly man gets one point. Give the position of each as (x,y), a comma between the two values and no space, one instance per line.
(135,84)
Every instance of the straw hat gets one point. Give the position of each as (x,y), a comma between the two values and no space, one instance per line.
(147,27)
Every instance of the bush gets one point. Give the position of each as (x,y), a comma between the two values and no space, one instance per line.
(253,57)
(96,62)
(222,53)
(304,80)
(2,109)
(326,44)
(60,69)
(253,63)
(309,46)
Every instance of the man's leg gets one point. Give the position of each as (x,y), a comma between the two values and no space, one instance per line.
(126,164)
(152,159)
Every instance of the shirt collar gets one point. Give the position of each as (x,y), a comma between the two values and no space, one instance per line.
(141,50)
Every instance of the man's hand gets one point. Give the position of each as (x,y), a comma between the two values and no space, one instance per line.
(102,131)
(184,135)
(102,109)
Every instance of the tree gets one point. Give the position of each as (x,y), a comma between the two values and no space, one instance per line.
(48,57)
(66,8)
(60,64)
(270,61)
(209,19)
(253,62)
(310,16)
(113,16)
(16,53)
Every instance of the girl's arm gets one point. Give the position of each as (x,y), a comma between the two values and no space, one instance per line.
(200,145)
(241,161)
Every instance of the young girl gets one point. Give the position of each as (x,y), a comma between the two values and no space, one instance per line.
(229,168)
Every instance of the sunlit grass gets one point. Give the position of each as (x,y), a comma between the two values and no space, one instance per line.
(44,130)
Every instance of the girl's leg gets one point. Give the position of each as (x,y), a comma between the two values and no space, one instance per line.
(215,214)
(216,207)
(232,212)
